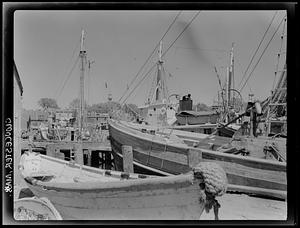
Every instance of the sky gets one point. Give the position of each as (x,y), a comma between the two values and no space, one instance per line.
(46,47)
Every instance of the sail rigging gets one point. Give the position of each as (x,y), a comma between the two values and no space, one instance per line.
(159,91)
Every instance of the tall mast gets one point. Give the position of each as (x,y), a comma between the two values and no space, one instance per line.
(159,78)
(230,77)
(160,52)
(277,104)
(229,84)
(158,92)
(82,55)
(227,92)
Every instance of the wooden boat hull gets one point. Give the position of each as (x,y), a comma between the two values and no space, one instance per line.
(152,198)
(38,207)
(189,138)
(256,175)
(254,145)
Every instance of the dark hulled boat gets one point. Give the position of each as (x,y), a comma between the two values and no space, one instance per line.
(169,155)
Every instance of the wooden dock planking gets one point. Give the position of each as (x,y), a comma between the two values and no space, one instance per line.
(66,145)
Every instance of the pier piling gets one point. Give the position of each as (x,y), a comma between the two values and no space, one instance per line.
(79,154)
(127,158)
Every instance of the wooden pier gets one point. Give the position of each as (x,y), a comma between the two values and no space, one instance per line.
(95,154)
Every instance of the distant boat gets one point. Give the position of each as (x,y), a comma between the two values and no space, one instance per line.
(86,193)
(159,111)
(165,154)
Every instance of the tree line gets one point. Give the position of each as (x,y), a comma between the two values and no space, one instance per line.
(106,107)
(114,109)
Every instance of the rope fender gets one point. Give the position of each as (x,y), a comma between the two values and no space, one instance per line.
(213,183)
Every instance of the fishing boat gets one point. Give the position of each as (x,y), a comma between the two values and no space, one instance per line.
(168,154)
(259,146)
(81,192)
(245,157)
(159,110)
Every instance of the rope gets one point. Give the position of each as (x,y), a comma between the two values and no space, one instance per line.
(166,90)
(262,54)
(137,114)
(78,43)
(150,55)
(139,83)
(258,48)
(68,77)
(163,54)
(88,85)
(210,203)
(181,33)
(278,56)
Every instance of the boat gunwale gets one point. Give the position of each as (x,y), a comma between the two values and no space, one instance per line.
(236,157)
(155,182)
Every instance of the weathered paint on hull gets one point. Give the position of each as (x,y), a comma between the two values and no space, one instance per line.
(86,193)
(170,203)
(236,173)
(137,167)
(241,171)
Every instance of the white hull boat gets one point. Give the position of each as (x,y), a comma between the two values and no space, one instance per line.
(85,193)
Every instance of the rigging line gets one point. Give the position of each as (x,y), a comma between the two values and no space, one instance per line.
(73,54)
(166,89)
(70,73)
(152,89)
(250,88)
(88,85)
(151,54)
(194,17)
(252,58)
(89,81)
(98,82)
(262,53)
(153,83)
(279,54)
(139,83)
(181,33)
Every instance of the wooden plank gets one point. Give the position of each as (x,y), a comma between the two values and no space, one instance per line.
(89,157)
(262,164)
(257,191)
(68,145)
(194,157)
(127,158)
(79,154)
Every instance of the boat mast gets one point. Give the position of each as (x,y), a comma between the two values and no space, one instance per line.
(159,78)
(231,71)
(158,91)
(82,55)
(277,106)
(229,83)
